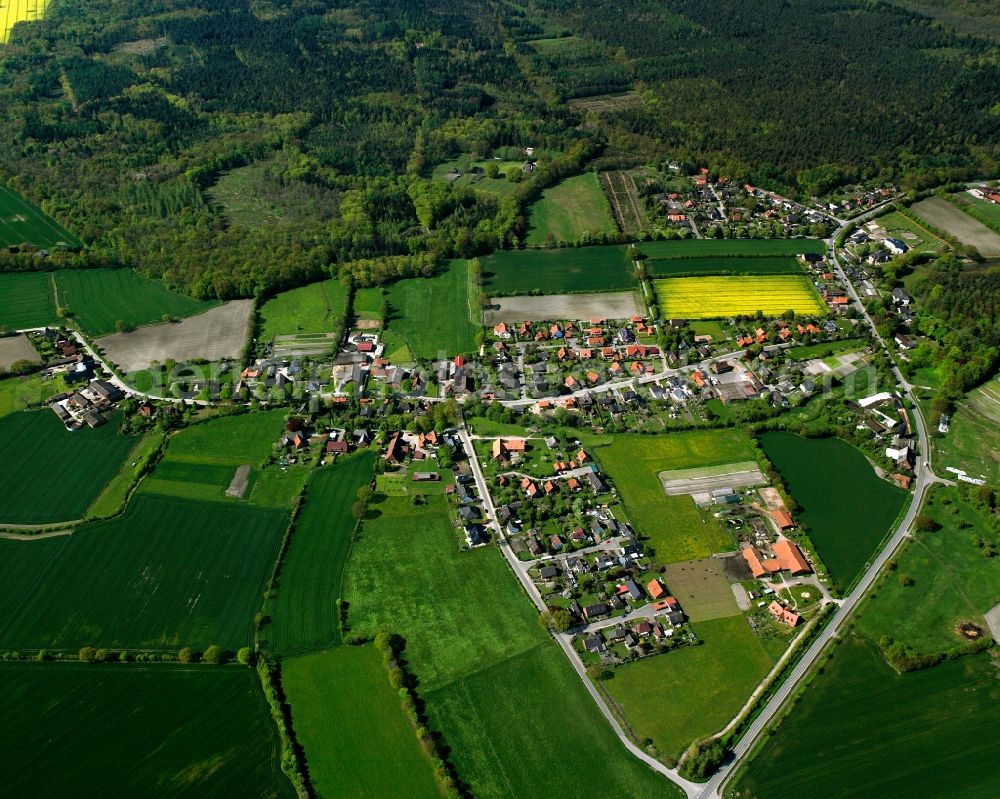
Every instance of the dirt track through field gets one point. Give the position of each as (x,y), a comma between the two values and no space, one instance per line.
(607,305)
(941,214)
(214,335)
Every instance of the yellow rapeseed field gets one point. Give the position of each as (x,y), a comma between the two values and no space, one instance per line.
(13,11)
(725,296)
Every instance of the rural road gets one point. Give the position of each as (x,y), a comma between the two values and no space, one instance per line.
(925,478)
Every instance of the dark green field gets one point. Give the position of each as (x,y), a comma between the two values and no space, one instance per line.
(100,298)
(716,248)
(848,510)
(168,573)
(358,742)
(305,612)
(576,269)
(50,474)
(736,265)
(863,730)
(27,300)
(133,730)
(22,222)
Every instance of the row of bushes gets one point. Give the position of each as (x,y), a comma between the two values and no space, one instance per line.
(293,762)
(391,647)
(214,655)
(903,657)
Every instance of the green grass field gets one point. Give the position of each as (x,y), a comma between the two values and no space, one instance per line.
(683,695)
(20,221)
(435,315)
(316,308)
(367,303)
(201,460)
(826,348)
(134,730)
(100,298)
(672,526)
(912,234)
(166,574)
(526,727)
(17,393)
(50,474)
(574,269)
(972,442)
(844,505)
(27,300)
(304,611)
(719,248)
(568,210)
(720,297)
(735,265)
(863,730)
(357,739)
(499,185)
(458,611)
(947,565)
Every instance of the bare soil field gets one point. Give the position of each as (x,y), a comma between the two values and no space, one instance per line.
(702,589)
(16,348)
(606,103)
(607,305)
(217,334)
(945,216)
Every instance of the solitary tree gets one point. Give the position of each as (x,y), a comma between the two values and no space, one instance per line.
(185,655)
(213,654)
(244,656)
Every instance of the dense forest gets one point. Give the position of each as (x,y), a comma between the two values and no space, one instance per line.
(122,117)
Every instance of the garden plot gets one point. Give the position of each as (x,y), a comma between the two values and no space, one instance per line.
(702,481)
(14,349)
(218,334)
(608,305)
(307,344)
(837,365)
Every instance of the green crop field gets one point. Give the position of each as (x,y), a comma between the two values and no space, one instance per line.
(135,730)
(358,741)
(717,248)
(570,209)
(50,474)
(574,269)
(458,611)
(985,211)
(304,611)
(726,296)
(526,727)
(316,308)
(167,573)
(112,499)
(27,300)
(863,730)
(100,298)
(680,696)
(22,222)
(735,265)
(201,460)
(948,565)
(672,526)
(435,315)
(845,506)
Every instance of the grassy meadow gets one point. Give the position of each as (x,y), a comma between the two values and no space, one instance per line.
(316,308)
(720,297)
(435,315)
(27,300)
(20,221)
(50,474)
(568,210)
(134,730)
(864,730)
(563,271)
(112,498)
(304,612)
(672,526)
(683,695)
(167,573)
(526,727)
(358,741)
(100,298)
(972,442)
(845,506)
